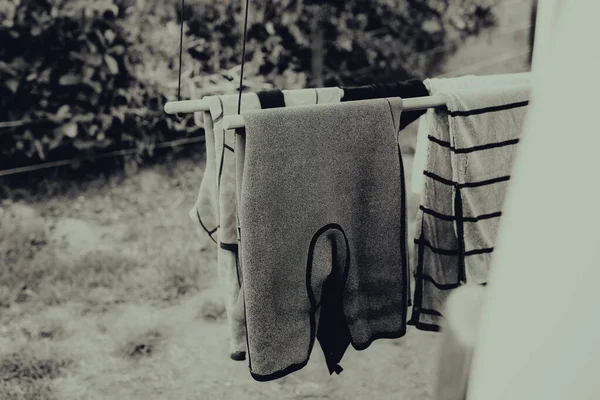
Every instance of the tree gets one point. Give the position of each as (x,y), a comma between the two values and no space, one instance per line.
(360,41)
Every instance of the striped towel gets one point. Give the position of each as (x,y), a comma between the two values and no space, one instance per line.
(471,147)
(322,211)
(436,85)
(215,207)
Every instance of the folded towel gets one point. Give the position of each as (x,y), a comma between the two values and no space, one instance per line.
(470,153)
(322,213)
(436,85)
(406,89)
(215,207)
(205,210)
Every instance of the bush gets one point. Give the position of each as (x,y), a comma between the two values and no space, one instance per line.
(70,76)
(363,41)
(81,77)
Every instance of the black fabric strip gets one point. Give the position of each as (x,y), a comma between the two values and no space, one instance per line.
(427,327)
(406,89)
(233,247)
(465,150)
(436,214)
(418,295)
(439,178)
(460,230)
(278,374)
(483,183)
(446,252)
(377,336)
(488,109)
(482,217)
(479,251)
(210,233)
(442,143)
(427,311)
(271,99)
(222,152)
(466,184)
(452,218)
(424,242)
(237,265)
(441,286)
(486,146)
(228,147)
(334,333)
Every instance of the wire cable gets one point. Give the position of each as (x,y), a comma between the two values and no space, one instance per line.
(180,57)
(116,153)
(243,58)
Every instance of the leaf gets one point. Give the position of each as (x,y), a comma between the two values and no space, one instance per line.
(94,60)
(7,69)
(54,143)
(89,117)
(118,50)
(100,38)
(69,80)
(45,75)
(84,144)
(12,84)
(94,85)
(112,64)
(88,73)
(63,112)
(109,35)
(39,149)
(69,130)
(118,113)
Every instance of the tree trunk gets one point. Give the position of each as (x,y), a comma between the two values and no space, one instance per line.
(316,39)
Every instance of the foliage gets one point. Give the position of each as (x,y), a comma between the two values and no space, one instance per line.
(365,41)
(83,77)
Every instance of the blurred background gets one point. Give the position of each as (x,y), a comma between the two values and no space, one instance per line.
(107,290)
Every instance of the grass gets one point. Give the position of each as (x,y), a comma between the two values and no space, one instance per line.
(108,291)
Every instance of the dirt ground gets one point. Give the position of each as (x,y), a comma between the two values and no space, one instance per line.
(107,291)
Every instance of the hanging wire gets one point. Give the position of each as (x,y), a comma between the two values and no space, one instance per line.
(243,58)
(111,154)
(178,115)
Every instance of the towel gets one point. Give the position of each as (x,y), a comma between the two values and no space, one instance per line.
(322,214)
(204,212)
(436,85)
(470,154)
(405,89)
(215,206)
